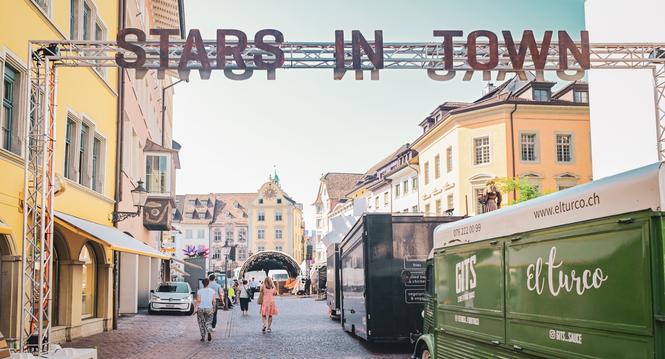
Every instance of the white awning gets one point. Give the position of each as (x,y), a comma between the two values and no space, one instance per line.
(110,236)
(5,229)
(186,263)
(175,268)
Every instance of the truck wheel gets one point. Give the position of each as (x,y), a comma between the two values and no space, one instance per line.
(424,354)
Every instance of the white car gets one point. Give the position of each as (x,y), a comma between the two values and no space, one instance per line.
(172,297)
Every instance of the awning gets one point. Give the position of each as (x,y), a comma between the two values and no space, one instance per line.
(186,263)
(5,229)
(109,236)
(175,268)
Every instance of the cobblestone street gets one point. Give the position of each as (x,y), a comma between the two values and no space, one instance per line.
(302,330)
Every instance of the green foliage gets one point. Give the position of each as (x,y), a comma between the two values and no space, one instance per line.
(525,190)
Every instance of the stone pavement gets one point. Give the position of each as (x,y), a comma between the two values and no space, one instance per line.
(301,330)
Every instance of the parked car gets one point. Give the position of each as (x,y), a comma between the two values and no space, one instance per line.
(172,297)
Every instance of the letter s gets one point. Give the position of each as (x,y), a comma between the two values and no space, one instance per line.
(260,44)
(124,44)
(472,264)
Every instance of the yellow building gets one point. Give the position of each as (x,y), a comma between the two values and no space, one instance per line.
(86,118)
(276,222)
(520,129)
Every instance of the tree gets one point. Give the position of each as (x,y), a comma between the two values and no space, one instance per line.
(525,190)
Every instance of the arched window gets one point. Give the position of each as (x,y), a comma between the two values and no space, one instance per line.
(88,281)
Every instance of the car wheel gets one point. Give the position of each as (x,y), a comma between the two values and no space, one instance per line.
(150,311)
(190,311)
(424,354)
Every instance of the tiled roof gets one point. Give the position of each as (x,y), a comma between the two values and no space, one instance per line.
(236,204)
(370,176)
(338,184)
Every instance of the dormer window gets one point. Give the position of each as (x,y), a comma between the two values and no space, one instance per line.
(580,96)
(260,200)
(541,94)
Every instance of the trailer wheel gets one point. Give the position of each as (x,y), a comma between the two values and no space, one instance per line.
(424,353)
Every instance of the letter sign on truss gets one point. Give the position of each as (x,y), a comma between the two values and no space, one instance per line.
(238,58)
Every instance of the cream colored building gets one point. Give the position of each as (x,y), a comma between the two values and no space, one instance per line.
(276,222)
(521,129)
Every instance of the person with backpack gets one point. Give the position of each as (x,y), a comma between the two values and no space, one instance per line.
(244,297)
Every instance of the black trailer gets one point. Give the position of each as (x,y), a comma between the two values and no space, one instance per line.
(333,280)
(382,261)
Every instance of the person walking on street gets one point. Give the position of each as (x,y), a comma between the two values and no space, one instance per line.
(205,299)
(252,287)
(244,297)
(232,296)
(267,301)
(218,298)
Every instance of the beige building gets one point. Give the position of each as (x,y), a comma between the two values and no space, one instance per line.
(520,129)
(229,227)
(276,222)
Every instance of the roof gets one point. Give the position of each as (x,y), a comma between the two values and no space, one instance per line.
(370,176)
(632,191)
(153,147)
(506,93)
(338,184)
(226,203)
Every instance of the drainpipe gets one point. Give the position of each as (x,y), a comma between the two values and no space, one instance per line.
(512,148)
(118,168)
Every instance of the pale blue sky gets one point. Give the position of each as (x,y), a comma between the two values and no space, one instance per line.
(233,132)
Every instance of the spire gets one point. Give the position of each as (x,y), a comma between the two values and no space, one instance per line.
(275,177)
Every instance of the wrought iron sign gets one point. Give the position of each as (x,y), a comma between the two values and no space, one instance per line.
(238,57)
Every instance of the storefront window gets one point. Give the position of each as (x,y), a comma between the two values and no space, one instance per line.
(88,281)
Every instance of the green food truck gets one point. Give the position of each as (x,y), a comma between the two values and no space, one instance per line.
(574,274)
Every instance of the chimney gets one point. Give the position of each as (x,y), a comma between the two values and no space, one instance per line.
(488,88)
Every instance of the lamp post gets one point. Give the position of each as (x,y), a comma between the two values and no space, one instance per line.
(139,196)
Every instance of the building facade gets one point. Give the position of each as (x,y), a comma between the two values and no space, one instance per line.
(230,227)
(149,154)
(521,129)
(276,222)
(87,247)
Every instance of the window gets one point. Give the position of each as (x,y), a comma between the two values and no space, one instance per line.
(405,184)
(261,234)
(192,202)
(427,208)
(83,155)
(319,209)
(10,116)
(528,147)
(100,35)
(478,194)
(188,233)
(217,254)
(581,96)
(260,200)
(242,235)
(217,236)
(73,19)
(426,171)
(44,5)
(242,253)
(278,216)
(481,147)
(541,94)
(449,159)
(87,20)
(88,281)
(157,173)
(278,234)
(278,248)
(437,166)
(386,198)
(261,216)
(200,233)
(70,171)
(376,202)
(96,164)
(318,223)
(229,235)
(414,209)
(414,183)
(564,148)
(397,190)
(279,201)
(450,204)
(202,215)
(437,204)
(260,248)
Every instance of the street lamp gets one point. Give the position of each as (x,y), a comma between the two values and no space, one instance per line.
(139,196)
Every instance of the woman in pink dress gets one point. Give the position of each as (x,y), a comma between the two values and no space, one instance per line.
(268,306)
